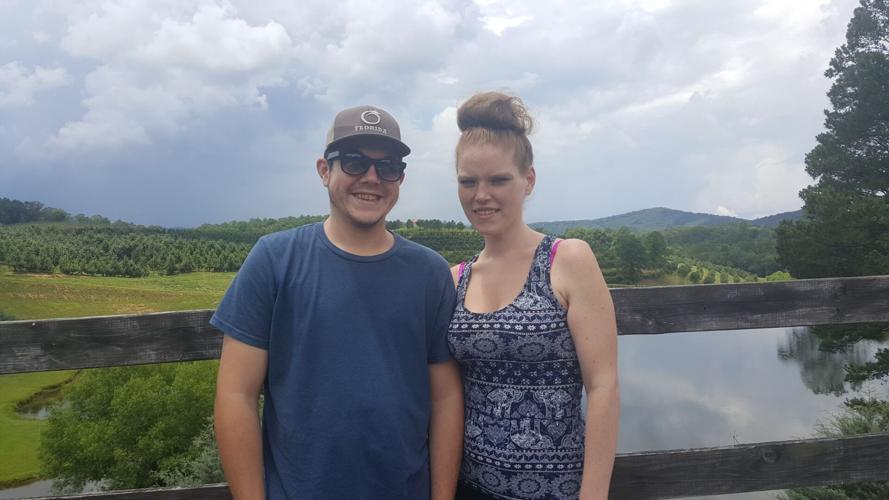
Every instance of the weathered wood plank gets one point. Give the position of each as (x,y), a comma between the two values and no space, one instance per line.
(185,336)
(752,305)
(680,473)
(751,467)
(58,344)
(206,492)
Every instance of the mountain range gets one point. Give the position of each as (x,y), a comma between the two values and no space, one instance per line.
(660,218)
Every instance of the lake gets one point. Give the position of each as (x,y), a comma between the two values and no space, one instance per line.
(694,390)
(691,390)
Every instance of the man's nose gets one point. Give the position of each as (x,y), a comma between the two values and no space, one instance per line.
(371,174)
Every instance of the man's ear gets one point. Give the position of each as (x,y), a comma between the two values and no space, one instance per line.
(323,169)
(531,178)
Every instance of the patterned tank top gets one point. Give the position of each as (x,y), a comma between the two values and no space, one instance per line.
(522,387)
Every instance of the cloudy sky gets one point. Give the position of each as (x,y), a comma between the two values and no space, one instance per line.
(182,112)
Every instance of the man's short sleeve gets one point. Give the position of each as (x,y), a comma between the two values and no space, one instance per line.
(443,306)
(245,312)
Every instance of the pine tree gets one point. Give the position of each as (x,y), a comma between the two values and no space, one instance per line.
(846,232)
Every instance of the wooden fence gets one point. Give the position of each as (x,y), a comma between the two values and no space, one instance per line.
(57,344)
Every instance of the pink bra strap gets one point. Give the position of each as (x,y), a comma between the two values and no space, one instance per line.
(460,271)
(552,253)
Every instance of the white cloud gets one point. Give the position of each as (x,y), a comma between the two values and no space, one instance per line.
(382,50)
(18,84)
(754,182)
(499,24)
(721,210)
(165,64)
(215,40)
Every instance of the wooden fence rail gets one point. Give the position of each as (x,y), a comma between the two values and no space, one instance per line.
(674,473)
(57,344)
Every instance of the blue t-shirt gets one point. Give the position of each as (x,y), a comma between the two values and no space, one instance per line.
(349,339)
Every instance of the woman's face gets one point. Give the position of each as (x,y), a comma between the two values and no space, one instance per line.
(491,188)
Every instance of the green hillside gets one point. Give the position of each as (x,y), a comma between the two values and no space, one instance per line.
(657,219)
(773,220)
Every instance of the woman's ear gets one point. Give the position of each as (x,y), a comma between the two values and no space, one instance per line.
(530,178)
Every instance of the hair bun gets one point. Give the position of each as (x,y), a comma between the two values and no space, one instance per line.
(494,111)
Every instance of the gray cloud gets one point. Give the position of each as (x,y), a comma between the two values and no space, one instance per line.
(219,108)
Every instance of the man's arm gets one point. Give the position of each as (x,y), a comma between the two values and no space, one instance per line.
(242,370)
(445,428)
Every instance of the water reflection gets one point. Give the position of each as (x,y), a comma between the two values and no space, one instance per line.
(822,359)
(692,390)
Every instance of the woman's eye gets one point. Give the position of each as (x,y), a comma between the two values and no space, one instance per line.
(467,183)
(499,181)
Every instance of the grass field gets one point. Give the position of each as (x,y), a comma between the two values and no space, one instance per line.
(36,296)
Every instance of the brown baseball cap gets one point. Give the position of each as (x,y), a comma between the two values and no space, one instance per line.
(365,121)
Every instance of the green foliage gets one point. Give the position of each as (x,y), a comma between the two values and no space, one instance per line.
(779,276)
(246,231)
(454,245)
(741,246)
(872,370)
(114,250)
(694,276)
(655,248)
(424,224)
(631,255)
(709,278)
(682,269)
(6,317)
(200,464)
(123,426)
(16,212)
(860,416)
(847,234)
(130,250)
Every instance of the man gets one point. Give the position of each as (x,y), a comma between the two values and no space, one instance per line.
(342,324)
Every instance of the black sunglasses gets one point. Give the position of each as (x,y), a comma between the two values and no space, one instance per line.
(354,163)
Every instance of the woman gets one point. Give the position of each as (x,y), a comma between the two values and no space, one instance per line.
(534,324)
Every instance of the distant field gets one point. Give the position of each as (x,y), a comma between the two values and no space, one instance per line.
(37,296)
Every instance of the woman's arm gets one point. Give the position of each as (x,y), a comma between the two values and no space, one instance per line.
(578,282)
(445,428)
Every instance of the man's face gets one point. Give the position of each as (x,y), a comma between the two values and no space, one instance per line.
(361,200)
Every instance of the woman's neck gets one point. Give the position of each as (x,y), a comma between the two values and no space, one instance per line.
(514,240)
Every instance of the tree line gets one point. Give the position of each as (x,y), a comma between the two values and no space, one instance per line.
(130,250)
(18,212)
(113,251)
